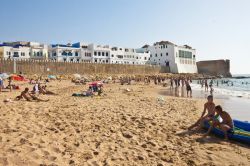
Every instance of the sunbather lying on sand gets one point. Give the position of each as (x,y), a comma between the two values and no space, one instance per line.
(44,91)
(28,96)
(209,108)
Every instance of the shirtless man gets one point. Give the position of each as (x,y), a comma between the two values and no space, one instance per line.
(28,96)
(226,124)
(209,108)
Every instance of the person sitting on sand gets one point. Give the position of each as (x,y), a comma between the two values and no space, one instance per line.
(209,108)
(28,96)
(226,124)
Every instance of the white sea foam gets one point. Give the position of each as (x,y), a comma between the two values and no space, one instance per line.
(237,90)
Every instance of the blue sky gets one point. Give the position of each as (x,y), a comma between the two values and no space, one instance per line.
(218,29)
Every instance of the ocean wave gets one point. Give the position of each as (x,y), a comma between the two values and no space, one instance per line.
(224,91)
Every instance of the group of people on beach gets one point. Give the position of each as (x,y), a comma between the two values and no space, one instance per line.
(182,81)
(217,116)
(37,89)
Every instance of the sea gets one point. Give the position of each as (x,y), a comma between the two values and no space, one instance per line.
(234,93)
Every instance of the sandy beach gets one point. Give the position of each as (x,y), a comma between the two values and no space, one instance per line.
(139,127)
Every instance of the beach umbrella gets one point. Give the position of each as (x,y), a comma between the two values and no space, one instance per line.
(4,76)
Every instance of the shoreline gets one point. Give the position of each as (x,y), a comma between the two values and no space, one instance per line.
(236,106)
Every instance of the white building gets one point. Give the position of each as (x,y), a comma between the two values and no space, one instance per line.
(64,53)
(118,55)
(38,51)
(180,59)
(81,52)
(23,50)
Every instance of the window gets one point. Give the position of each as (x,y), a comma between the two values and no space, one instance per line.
(95,53)
(16,54)
(76,53)
(145,58)
(70,54)
(193,56)
(119,56)
(102,53)
(155,55)
(99,53)
(166,53)
(96,60)
(150,55)
(161,54)
(64,53)
(107,54)
(54,54)
(107,61)
(112,55)
(185,54)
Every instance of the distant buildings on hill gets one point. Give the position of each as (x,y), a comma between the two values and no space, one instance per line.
(180,59)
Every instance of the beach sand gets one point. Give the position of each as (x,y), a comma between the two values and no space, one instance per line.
(120,128)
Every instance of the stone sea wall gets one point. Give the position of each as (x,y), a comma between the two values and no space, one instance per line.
(51,67)
(214,67)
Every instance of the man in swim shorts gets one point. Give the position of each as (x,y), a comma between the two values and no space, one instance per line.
(209,108)
(226,124)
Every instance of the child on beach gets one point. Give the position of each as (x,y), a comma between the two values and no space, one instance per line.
(226,124)
(209,108)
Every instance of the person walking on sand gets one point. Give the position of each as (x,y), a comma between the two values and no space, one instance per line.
(226,124)
(189,89)
(171,83)
(209,108)
(10,83)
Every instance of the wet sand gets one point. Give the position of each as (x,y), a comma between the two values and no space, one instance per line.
(236,106)
(139,127)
